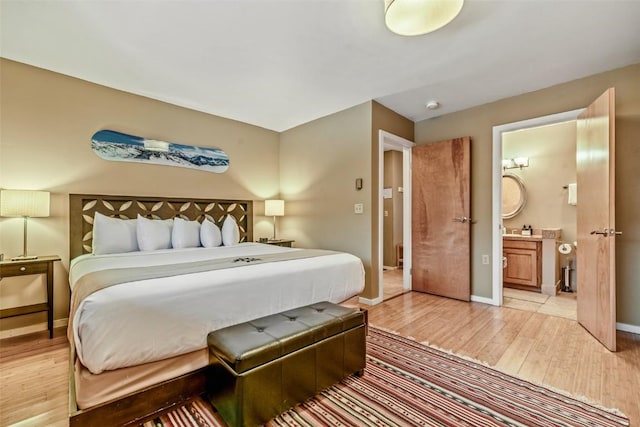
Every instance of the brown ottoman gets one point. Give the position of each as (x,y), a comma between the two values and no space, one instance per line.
(265,366)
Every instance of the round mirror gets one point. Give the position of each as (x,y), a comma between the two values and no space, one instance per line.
(514,195)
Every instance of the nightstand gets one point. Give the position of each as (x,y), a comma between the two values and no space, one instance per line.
(280,242)
(40,265)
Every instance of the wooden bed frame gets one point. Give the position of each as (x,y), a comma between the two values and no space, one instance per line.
(151,401)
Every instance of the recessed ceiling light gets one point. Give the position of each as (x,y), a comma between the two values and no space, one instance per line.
(432,105)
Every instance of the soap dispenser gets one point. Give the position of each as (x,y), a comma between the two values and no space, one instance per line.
(526,230)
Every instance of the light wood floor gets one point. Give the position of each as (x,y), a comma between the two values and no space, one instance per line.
(392,283)
(542,348)
(34,381)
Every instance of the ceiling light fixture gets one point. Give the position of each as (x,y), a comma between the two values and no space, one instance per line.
(417,17)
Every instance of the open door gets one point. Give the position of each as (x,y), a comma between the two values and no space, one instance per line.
(441,218)
(596,219)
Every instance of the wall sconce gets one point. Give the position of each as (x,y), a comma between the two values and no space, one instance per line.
(516,162)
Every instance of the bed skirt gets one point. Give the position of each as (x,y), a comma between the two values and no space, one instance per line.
(92,390)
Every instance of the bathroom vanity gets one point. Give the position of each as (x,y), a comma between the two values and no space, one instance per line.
(523,268)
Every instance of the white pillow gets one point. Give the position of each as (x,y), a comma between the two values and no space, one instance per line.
(185,234)
(230,231)
(113,235)
(154,234)
(210,235)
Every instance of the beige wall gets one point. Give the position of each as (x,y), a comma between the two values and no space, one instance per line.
(47,123)
(552,165)
(319,164)
(479,122)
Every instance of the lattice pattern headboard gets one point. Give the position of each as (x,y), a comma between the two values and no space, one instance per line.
(82,208)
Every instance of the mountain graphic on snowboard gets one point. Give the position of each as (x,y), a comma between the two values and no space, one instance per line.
(120,147)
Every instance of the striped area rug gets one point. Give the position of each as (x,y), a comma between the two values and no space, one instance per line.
(409,384)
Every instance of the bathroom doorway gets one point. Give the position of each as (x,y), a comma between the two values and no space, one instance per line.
(596,229)
(541,160)
(534,155)
(538,274)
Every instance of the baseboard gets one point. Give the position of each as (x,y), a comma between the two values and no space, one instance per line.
(388,267)
(625,327)
(484,300)
(38,327)
(368,301)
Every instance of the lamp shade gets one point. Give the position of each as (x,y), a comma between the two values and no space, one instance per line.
(24,203)
(274,208)
(416,17)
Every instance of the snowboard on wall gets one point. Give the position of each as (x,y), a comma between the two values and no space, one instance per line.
(120,147)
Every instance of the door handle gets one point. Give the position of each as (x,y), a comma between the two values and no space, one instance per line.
(464,219)
(607,232)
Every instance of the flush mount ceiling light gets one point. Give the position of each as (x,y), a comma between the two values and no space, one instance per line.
(416,17)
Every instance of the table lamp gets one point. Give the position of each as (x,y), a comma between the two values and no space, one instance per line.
(274,208)
(25,204)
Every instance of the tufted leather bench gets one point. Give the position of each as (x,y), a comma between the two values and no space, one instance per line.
(263,367)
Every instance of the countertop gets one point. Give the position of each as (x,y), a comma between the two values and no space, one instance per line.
(533,238)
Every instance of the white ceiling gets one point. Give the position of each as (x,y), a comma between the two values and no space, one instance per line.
(280,63)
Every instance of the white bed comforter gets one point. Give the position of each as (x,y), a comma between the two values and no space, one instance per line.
(148,320)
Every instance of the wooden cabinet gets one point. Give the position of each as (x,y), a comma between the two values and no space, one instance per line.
(524,264)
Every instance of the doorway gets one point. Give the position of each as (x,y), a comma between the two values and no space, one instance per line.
(390,142)
(497,237)
(539,192)
(393,246)
(596,231)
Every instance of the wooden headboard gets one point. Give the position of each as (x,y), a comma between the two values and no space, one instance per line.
(82,208)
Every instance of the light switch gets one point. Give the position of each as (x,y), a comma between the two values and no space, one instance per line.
(386,213)
(358,208)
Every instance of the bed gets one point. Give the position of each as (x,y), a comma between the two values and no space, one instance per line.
(139,339)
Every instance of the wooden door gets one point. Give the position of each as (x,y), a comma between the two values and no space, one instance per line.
(441,218)
(596,276)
